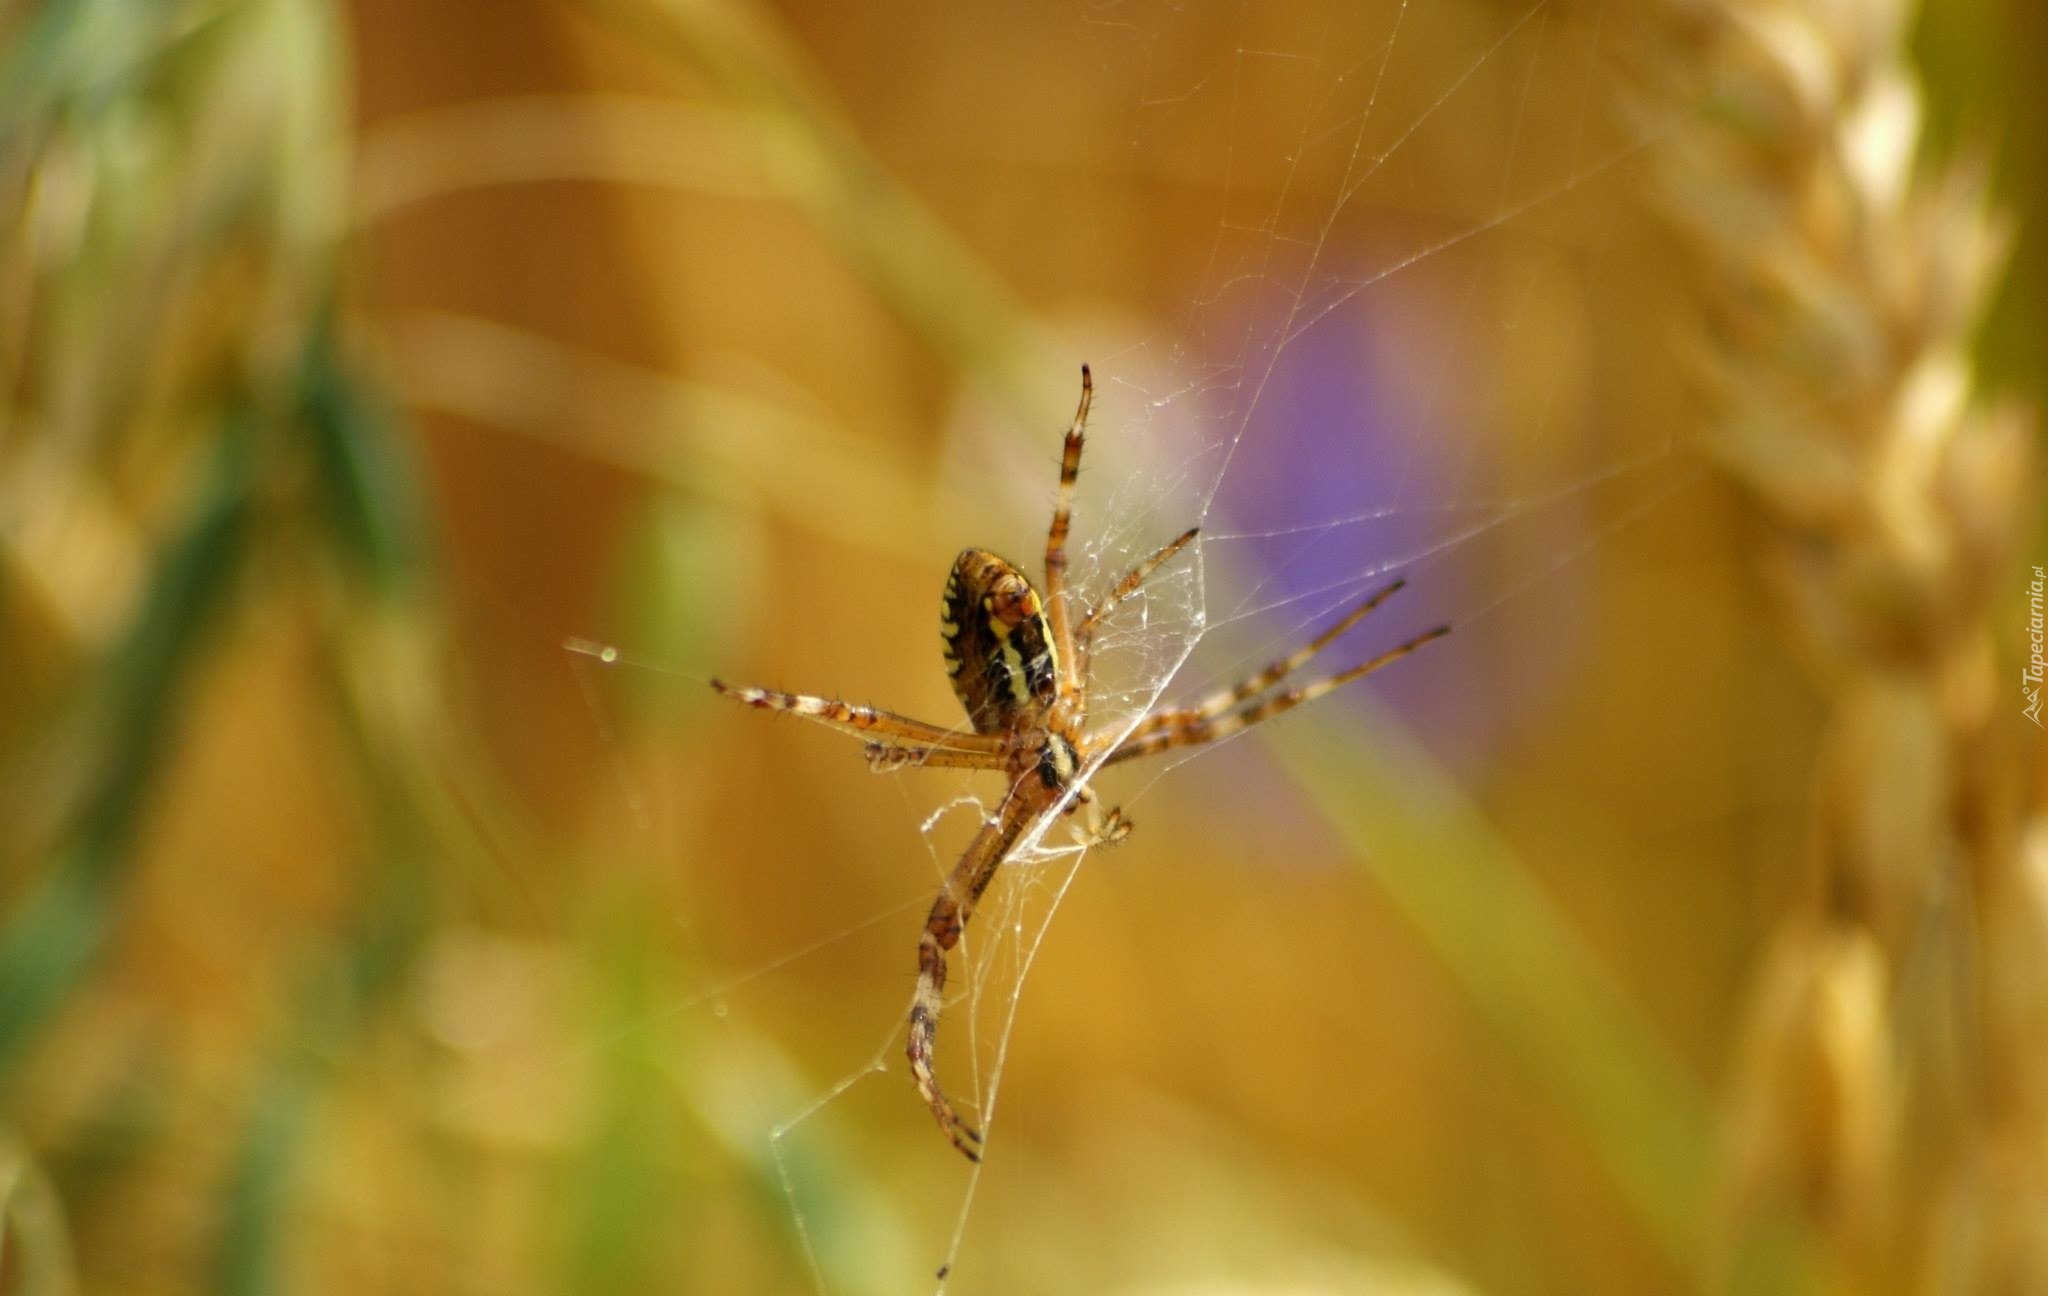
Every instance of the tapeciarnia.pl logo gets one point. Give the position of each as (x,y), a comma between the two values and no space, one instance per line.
(2030,678)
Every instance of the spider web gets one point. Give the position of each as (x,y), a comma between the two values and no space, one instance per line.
(1405,201)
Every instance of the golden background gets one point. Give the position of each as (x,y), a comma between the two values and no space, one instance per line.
(372,367)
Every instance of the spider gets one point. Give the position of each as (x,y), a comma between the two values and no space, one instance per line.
(1019,665)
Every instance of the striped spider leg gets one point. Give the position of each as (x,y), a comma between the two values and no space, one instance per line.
(1018,663)
(965,750)
(1239,707)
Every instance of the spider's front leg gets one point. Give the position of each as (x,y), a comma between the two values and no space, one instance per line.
(1060,616)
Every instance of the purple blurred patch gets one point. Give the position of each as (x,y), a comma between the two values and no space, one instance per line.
(1338,439)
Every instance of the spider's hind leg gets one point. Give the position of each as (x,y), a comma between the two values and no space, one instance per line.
(887,758)
(861,721)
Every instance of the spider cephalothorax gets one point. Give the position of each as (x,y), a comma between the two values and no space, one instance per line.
(1019,665)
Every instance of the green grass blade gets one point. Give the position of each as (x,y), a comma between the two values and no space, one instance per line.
(58,928)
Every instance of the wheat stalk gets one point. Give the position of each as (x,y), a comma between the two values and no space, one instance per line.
(1891,1089)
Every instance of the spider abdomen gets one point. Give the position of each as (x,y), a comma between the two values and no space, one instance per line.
(999,648)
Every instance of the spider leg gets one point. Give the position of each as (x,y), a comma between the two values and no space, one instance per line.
(949,916)
(1136,577)
(1084,634)
(1187,728)
(863,721)
(1056,611)
(1098,829)
(1102,829)
(884,757)
(1218,703)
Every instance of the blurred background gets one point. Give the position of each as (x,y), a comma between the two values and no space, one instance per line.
(410,408)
